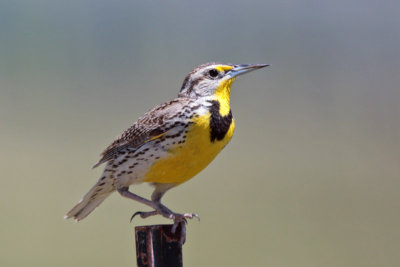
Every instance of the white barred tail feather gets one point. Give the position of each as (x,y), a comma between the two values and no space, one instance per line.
(96,195)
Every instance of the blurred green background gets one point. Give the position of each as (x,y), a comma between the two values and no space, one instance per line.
(311,177)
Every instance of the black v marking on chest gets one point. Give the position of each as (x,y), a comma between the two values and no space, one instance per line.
(219,125)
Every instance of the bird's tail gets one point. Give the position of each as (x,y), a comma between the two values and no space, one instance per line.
(91,200)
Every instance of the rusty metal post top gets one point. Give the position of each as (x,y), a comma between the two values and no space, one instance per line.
(163,228)
(157,246)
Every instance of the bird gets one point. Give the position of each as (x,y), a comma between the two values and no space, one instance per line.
(170,143)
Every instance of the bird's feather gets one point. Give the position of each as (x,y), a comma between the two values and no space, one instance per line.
(152,125)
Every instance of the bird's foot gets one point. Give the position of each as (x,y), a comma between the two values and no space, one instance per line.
(176,217)
(179,219)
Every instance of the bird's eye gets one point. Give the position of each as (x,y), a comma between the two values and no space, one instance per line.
(213,73)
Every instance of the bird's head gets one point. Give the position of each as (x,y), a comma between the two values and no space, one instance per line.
(214,79)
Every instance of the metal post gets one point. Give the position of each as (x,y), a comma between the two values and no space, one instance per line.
(157,246)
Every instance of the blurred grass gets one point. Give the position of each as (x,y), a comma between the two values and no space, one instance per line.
(310,178)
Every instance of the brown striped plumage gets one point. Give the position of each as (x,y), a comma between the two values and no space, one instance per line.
(154,123)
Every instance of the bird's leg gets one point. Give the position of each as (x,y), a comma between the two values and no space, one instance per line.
(159,208)
(124,191)
(154,203)
(164,211)
(143,214)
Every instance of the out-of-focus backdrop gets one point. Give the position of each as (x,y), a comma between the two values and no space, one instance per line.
(311,177)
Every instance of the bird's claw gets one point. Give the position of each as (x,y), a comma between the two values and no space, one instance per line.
(191,216)
(144,214)
(182,219)
(182,223)
(135,214)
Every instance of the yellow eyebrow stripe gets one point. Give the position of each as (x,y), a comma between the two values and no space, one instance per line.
(223,68)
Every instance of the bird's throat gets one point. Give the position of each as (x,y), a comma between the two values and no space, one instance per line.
(222,95)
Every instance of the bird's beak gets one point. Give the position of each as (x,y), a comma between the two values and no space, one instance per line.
(244,68)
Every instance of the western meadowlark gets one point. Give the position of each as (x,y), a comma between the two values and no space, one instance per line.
(171,143)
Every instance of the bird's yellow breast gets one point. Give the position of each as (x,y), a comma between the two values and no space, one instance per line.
(187,159)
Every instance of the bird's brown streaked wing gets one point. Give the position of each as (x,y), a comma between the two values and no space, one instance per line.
(151,126)
(120,144)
